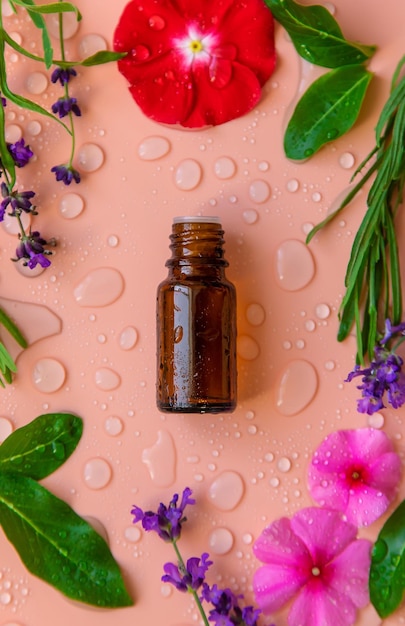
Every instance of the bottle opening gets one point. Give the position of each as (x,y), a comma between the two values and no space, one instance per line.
(196,219)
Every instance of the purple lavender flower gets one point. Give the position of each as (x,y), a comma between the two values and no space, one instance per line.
(167,521)
(19,201)
(31,248)
(226,610)
(383,376)
(63,75)
(66,173)
(20,152)
(193,576)
(64,106)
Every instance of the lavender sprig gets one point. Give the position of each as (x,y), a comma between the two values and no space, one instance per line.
(190,576)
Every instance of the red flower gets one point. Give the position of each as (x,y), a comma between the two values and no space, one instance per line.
(196,62)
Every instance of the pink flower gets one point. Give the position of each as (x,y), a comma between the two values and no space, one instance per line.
(196,62)
(316,559)
(356,472)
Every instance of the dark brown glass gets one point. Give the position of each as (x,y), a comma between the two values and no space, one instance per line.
(196,323)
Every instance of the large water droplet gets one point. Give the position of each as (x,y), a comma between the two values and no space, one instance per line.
(160,460)
(113,425)
(6,428)
(100,287)
(295,267)
(107,379)
(48,375)
(36,82)
(152,148)
(97,473)
(248,349)
(90,157)
(71,205)
(220,541)
(259,191)
(13,133)
(188,174)
(156,22)
(224,167)
(255,314)
(226,491)
(90,44)
(296,388)
(70,25)
(128,338)
(250,216)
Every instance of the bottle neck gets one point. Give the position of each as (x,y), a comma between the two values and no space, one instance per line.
(197,248)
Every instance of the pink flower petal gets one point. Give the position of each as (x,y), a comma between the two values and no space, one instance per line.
(324,532)
(348,572)
(274,586)
(279,545)
(318,605)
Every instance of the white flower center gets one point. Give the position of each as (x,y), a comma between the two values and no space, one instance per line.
(316,571)
(195,47)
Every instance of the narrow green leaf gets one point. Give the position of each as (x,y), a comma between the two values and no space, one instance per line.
(386,580)
(316,35)
(43,9)
(327,110)
(6,158)
(12,328)
(388,110)
(43,445)
(6,360)
(101,57)
(395,271)
(57,545)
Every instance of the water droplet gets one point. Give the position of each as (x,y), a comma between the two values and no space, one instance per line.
(70,25)
(259,191)
(295,266)
(263,166)
(224,167)
(48,375)
(160,460)
(274,481)
(376,420)
(330,365)
(113,425)
(6,428)
(247,538)
(36,83)
(5,597)
(97,473)
(380,550)
(188,174)
(100,287)
(132,534)
(310,325)
(34,128)
(255,314)
(71,205)
(113,241)
(250,216)
(316,196)
(293,185)
(90,44)
(178,334)
(156,22)
(10,223)
(128,338)
(140,53)
(107,379)
(322,311)
(247,347)
(152,148)
(346,160)
(220,541)
(90,157)
(296,388)
(226,491)
(284,464)
(13,133)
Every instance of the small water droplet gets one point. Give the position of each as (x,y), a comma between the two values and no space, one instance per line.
(346,160)
(160,459)
(71,205)
(107,379)
(128,338)
(34,128)
(284,464)
(156,22)
(248,349)
(293,185)
(274,481)
(152,148)
(113,425)
(330,365)
(295,266)
(259,191)
(100,287)
(113,241)
(97,473)
(376,420)
(220,541)
(5,597)
(316,196)
(224,167)
(322,311)
(90,157)
(48,375)
(132,533)
(36,83)
(90,44)
(226,491)
(263,166)
(188,174)
(140,52)
(296,387)
(250,216)
(255,314)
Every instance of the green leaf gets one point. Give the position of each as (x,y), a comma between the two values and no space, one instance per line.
(317,36)
(43,445)
(57,545)
(42,9)
(12,328)
(101,57)
(7,365)
(327,110)
(387,571)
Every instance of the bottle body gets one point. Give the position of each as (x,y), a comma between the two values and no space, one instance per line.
(196,324)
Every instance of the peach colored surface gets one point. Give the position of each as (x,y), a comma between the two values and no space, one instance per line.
(91,316)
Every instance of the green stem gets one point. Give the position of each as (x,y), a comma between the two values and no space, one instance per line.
(66,87)
(193,592)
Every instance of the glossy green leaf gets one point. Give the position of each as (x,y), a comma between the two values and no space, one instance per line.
(387,571)
(316,35)
(101,57)
(327,110)
(57,545)
(43,445)
(43,9)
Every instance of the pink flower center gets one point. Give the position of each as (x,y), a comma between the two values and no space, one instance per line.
(355,476)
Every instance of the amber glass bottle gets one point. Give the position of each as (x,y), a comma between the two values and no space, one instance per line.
(196,322)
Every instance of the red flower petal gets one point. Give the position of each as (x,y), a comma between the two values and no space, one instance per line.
(211,83)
